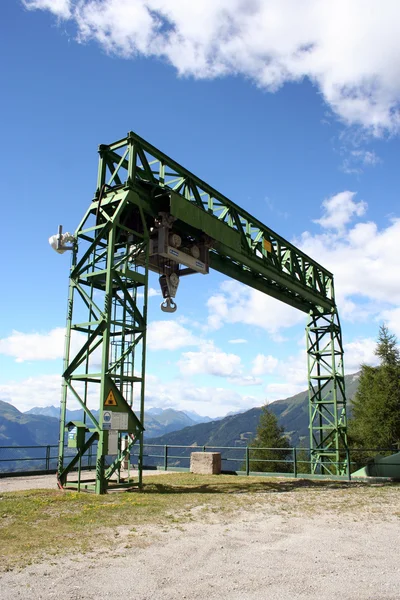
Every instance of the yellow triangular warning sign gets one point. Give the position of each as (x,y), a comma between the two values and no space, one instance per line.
(110,400)
(267,246)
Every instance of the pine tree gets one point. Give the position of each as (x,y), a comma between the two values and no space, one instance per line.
(387,349)
(269,435)
(375,421)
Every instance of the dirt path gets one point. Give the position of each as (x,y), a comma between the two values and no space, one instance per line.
(49,482)
(253,554)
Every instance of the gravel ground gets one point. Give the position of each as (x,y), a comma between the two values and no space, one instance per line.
(49,482)
(253,554)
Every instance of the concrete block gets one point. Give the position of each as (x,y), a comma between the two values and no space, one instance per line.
(205,463)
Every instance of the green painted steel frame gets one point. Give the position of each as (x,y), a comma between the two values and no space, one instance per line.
(266,261)
(105,279)
(133,171)
(327,398)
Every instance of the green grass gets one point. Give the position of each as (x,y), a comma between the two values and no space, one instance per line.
(42,523)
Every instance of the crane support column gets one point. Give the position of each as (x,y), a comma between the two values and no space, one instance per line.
(327,399)
(106,342)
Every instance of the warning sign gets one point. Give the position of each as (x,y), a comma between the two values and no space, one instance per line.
(107,419)
(115,420)
(267,246)
(110,400)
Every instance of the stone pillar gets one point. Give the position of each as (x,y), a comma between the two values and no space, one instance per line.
(205,463)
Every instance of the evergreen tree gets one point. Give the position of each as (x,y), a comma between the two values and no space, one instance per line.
(387,349)
(269,435)
(375,421)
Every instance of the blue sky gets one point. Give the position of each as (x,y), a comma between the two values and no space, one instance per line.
(292,113)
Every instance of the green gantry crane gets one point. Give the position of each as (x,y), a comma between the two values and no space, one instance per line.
(151,214)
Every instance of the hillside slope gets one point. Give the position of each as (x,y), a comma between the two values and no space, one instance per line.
(170,426)
(40,425)
(21,429)
(239,429)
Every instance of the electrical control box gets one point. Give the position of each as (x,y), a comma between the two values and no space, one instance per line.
(76,434)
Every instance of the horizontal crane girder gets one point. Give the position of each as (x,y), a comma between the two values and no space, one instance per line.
(243,247)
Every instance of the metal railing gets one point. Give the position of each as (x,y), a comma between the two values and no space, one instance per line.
(249,460)
(35,460)
(244,460)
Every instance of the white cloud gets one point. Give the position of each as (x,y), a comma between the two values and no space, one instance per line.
(339,210)
(210,360)
(348,50)
(359,352)
(366,157)
(236,303)
(182,395)
(34,346)
(264,364)
(291,372)
(279,391)
(356,161)
(238,341)
(169,335)
(152,292)
(363,260)
(44,346)
(44,390)
(61,8)
(391,317)
(245,380)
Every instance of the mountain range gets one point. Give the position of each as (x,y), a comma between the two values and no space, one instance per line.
(238,429)
(40,426)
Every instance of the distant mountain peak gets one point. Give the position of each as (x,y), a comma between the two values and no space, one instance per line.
(46,411)
(236,430)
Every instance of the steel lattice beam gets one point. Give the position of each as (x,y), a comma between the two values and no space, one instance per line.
(289,274)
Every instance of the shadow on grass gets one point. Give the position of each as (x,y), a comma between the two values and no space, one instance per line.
(252,487)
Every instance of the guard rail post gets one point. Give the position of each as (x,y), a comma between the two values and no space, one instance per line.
(47,458)
(165,457)
(348,458)
(294,463)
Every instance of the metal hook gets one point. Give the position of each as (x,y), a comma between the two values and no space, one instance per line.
(168,305)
